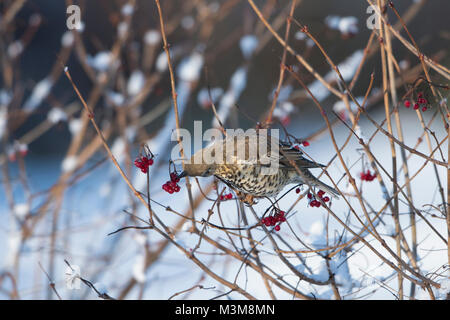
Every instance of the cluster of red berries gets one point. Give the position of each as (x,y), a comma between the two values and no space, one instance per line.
(367,176)
(228,196)
(172,185)
(420,101)
(143,163)
(313,202)
(304,143)
(270,221)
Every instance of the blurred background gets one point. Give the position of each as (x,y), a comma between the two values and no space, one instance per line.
(60,196)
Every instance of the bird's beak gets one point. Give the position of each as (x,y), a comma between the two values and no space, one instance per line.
(182,174)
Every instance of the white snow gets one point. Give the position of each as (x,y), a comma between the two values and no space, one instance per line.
(21,210)
(239,80)
(69,163)
(3,120)
(288,107)
(187,22)
(135,82)
(404,64)
(190,67)
(5,97)
(347,68)
(39,93)
(340,108)
(139,269)
(161,62)
(116,98)
(346,25)
(56,115)
(203,98)
(122,29)
(75,126)
(140,238)
(72,276)
(237,85)
(248,44)
(67,39)
(127,9)
(15,49)
(152,37)
(130,132)
(118,149)
(283,94)
(299,35)
(100,61)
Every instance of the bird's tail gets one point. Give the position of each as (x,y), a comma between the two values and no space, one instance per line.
(326,188)
(312,181)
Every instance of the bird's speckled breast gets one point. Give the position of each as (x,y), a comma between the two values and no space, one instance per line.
(249,179)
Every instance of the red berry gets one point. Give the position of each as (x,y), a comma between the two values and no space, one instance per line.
(321,193)
(420,95)
(309,196)
(305,143)
(407,103)
(263,220)
(326,199)
(277,228)
(424,109)
(297,190)
(416,106)
(229,196)
(174,177)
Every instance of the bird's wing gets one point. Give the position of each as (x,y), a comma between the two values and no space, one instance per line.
(251,153)
(288,154)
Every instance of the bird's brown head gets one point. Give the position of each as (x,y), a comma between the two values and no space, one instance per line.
(198,170)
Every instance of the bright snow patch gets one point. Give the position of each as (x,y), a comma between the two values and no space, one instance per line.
(127,9)
(248,45)
(152,37)
(189,68)
(3,118)
(56,115)
(116,98)
(187,22)
(135,82)
(15,48)
(139,269)
(40,92)
(118,149)
(67,39)
(75,126)
(346,25)
(21,210)
(69,164)
(100,61)
(161,62)
(203,97)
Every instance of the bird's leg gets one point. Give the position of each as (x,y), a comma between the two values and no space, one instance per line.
(248,199)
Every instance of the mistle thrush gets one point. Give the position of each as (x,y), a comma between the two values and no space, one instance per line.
(249,167)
